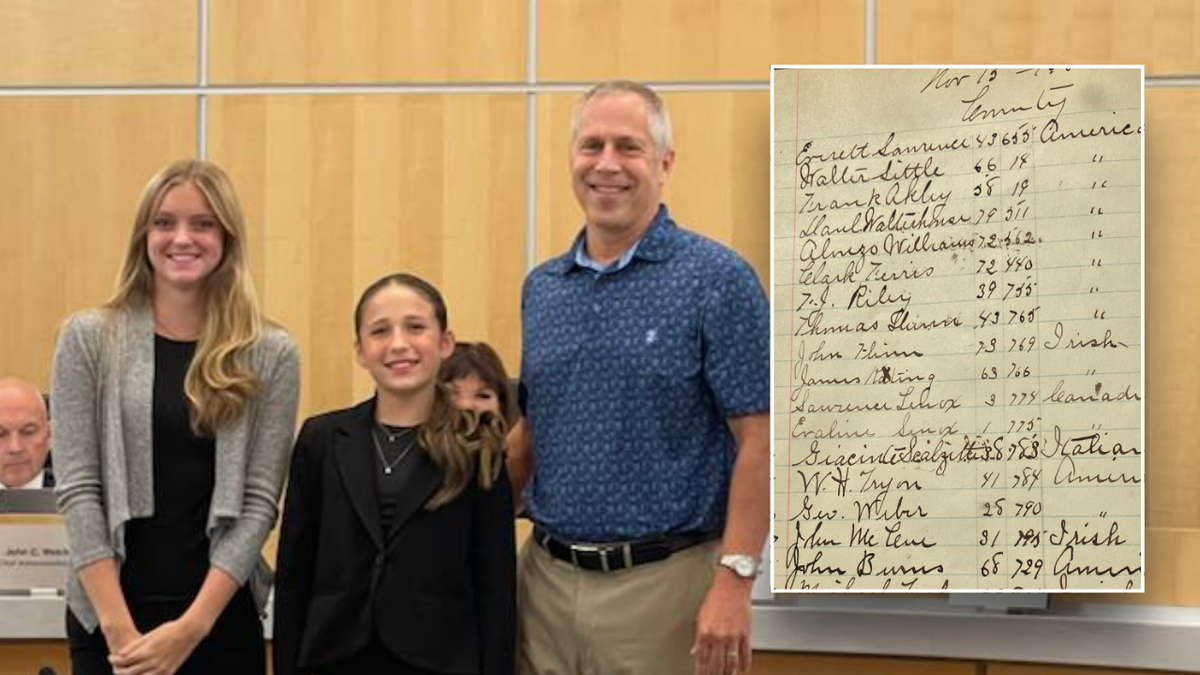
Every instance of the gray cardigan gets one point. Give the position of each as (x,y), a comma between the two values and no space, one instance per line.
(101,393)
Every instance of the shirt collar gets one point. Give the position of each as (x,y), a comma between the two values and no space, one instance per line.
(36,482)
(582,259)
(655,245)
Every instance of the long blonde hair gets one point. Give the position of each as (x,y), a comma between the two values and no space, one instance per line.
(464,444)
(219,382)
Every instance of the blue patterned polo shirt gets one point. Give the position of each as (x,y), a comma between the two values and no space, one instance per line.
(627,379)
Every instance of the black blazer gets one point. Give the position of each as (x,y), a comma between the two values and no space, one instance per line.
(440,592)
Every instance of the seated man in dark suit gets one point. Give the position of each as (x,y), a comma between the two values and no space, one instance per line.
(24,436)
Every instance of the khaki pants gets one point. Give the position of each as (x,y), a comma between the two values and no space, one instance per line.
(637,621)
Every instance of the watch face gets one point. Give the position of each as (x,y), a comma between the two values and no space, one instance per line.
(742,565)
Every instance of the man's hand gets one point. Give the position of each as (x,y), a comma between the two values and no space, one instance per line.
(160,652)
(722,644)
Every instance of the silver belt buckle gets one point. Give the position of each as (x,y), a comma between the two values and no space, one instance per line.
(576,549)
(602,551)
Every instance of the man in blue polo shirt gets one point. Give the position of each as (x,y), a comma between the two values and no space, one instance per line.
(646,389)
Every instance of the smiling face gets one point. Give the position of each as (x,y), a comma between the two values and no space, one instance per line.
(616,171)
(24,433)
(400,341)
(185,240)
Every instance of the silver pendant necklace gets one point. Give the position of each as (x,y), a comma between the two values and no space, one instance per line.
(388,466)
(390,436)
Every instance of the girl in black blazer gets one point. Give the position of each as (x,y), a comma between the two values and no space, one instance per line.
(396,552)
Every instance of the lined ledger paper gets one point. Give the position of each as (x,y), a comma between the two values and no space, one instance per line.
(957,329)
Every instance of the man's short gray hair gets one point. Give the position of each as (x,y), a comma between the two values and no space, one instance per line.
(657,118)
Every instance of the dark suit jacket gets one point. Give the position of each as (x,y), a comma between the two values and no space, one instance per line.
(440,592)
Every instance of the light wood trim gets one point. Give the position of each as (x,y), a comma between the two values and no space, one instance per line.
(1158,33)
(355,41)
(676,40)
(74,169)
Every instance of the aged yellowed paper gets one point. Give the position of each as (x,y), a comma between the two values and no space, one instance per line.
(957,295)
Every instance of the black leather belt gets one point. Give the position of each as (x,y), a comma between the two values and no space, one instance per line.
(618,555)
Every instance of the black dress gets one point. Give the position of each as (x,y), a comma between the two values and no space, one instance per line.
(167,554)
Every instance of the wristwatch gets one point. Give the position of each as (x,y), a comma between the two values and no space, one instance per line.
(740,564)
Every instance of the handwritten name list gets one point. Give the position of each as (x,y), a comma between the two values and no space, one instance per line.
(958,334)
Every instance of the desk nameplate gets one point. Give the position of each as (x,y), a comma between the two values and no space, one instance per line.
(33,552)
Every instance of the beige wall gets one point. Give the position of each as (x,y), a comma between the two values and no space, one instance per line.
(428,167)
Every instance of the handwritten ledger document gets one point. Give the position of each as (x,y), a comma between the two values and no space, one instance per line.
(958,329)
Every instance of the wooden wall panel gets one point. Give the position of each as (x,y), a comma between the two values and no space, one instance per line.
(341,190)
(1172,320)
(73,171)
(64,42)
(1158,33)
(717,188)
(680,40)
(352,41)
